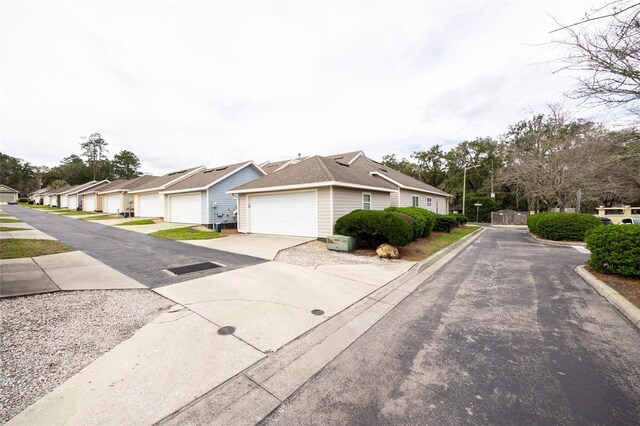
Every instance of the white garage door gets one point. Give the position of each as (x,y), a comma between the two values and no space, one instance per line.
(89,203)
(64,201)
(284,214)
(112,203)
(149,206)
(185,208)
(72,201)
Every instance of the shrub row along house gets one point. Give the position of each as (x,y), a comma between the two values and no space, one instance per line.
(298,197)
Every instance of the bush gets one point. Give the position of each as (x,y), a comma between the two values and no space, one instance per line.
(461,219)
(444,222)
(562,226)
(615,249)
(23,200)
(423,219)
(484,211)
(375,227)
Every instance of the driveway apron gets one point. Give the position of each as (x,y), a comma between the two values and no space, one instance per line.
(141,257)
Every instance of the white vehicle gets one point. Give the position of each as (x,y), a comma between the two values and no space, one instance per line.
(630,221)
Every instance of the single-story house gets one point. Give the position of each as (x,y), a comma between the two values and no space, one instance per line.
(115,197)
(202,197)
(37,196)
(74,199)
(307,198)
(91,202)
(147,200)
(68,198)
(54,195)
(8,194)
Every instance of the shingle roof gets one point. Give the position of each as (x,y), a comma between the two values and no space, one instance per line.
(95,188)
(371,166)
(346,157)
(273,166)
(317,170)
(6,188)
(162,181)
(206,177)
(127,184)
(82,187)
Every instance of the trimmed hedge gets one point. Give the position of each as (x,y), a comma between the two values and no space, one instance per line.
(423,219)
(615,249)
(445,222)
(461,219)
(375,227)
(562,226)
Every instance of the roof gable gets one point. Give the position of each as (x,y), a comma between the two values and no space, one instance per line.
(209,177)
(162,182)
(5,188)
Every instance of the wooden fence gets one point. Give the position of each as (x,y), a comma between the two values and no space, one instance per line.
(509,217)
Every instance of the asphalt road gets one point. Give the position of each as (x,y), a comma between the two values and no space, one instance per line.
(136,255)
(506,333)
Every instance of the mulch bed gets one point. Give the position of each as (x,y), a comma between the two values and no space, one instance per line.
(626,286)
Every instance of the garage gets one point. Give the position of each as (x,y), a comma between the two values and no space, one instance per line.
(89,203)
(112,203)
(64,201)
(6,197)
(294,214)
(185,208)
(149,205)
(72,201)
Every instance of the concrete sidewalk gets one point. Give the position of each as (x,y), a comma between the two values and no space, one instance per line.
(148,229)
(64,271)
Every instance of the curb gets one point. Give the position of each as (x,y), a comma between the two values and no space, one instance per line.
(253,394)
(616,299)
(556,243)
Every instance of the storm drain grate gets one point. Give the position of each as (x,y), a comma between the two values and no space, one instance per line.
(196,267)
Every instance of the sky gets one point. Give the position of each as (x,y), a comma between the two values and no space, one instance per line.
(187,83)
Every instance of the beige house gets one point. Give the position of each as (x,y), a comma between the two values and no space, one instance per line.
(115,198)
(147,200)
(8,194)
(308,197)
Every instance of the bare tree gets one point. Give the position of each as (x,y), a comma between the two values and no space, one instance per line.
(604,49)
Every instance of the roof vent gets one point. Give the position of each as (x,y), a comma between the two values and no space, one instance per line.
(342,164)
(338,158)
(176,173)
(384,170)
(221,168)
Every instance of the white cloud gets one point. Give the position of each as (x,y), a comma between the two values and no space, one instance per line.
(189,83)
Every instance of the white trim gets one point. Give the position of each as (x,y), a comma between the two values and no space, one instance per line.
(417,197)
(285,192)
(112,191)
(309,186)
(429,202)
(409,187)
(370,200)
(360,154)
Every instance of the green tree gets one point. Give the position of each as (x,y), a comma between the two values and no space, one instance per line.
(126,165)
(431,166)
(405,166)
(94,149)
(18,174)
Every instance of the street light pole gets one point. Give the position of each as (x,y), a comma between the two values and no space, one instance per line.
(464,187)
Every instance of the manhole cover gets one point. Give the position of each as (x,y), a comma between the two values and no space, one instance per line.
(317,312)
(196,267)
(224,331)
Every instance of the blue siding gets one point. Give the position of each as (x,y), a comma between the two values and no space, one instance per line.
(226,204)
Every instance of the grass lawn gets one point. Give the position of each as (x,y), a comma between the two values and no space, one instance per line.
(9,220)
(138,222)
(37,206)
(9,229)
(4,214)
(425,247)
(76,213)
(14,248)
(188,233)
(103,217)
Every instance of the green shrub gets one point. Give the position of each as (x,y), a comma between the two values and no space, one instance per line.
(484,211)
(461,219)
(615,249)
(423,219)
(375,227)
(562,226)
(444,223)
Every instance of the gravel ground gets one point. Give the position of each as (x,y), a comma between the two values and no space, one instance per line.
(46,339)
(315,253)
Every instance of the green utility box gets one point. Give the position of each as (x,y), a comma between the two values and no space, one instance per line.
(341,243)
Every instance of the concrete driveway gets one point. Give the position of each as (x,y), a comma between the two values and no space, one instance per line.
(148,229)
(256,245)
(139,256)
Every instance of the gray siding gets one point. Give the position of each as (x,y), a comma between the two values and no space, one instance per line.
(325,227)
(439,204)
(226,203)
(346,200)
(242,213)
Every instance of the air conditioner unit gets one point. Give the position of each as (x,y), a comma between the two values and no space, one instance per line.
(341,243)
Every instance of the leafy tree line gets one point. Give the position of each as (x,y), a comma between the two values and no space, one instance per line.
(92,163)
(538,164)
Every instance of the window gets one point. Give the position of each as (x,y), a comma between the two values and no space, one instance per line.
(366,201)
(428,201)
(415,201)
